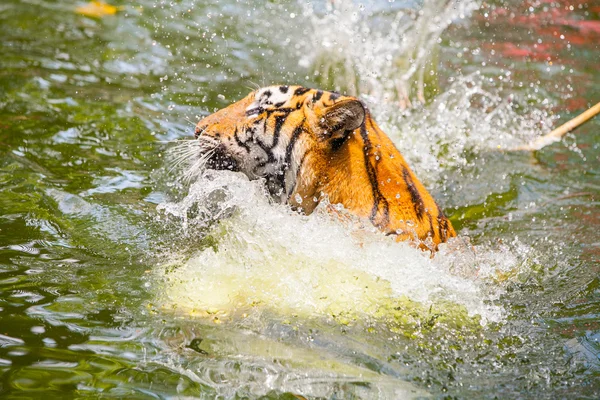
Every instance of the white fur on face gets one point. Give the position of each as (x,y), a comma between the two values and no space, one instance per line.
(271,96)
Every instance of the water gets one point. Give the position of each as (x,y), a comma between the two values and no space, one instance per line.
(119,280)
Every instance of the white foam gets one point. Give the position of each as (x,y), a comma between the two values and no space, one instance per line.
(320,265)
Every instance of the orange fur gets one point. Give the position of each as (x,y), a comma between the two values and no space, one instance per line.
(311,144)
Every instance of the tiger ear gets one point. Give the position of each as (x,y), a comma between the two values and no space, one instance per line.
(343,116)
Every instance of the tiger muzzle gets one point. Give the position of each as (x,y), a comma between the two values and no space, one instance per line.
(221,160)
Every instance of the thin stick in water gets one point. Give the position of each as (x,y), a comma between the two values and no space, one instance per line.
(561,131)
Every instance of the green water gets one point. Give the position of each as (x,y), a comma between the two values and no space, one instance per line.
(87,110)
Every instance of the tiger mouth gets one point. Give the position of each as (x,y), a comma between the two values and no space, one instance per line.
(220,159)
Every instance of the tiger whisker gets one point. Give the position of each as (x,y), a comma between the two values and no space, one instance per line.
(185,151)
(174,141)
(197,167)
(256,86)
(190,121)
(186,158)
(192,155)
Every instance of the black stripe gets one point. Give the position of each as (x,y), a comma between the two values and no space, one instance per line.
(300,91)
(378,199)
(415,196)
(260,110)
(374,128)
(385,218)
(283,89)
(298,171)
(442,224)
(279,179)
(267,150)
(255,110)
(290,147)
(337,143)
(285,110)
(317,96)
(279,121)
(333,96)
(431,230)
(239,142)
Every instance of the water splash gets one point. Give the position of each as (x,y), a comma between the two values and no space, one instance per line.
(389,58)
(470,117)
(328,264)
(389,55)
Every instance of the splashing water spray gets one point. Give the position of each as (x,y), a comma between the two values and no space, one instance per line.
(263,256)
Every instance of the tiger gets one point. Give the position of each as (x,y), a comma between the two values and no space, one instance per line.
(309,145)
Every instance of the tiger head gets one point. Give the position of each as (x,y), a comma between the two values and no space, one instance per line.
(269,133)
(310,144)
